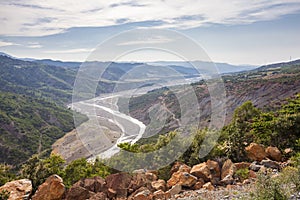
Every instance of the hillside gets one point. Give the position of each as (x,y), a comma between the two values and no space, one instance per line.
(36,80)
(29,125)
(32,115)
(266,87)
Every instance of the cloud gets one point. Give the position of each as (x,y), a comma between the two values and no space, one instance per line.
(4,44)
(33,45)
(142,41)
(80,50)
(38,18)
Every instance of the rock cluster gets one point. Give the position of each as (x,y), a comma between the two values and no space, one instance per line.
(145,185)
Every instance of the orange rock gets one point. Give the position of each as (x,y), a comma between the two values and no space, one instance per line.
(143,195)
(19,189)
(255,152)
(178,166)
(274,153)
(159,185)
(182,178)
(199,184)
(215,172)
(228,169)
(52,189)
(159,195)
(176,189)
(209,186)
(242,165)
(201,171)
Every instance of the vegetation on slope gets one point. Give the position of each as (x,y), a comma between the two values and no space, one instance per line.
(29,125)
(280,128)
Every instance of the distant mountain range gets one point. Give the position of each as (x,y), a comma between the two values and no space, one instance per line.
(222,67)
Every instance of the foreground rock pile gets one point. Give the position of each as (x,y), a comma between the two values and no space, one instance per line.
(185,181)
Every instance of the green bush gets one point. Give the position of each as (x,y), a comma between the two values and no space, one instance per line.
(269,188)
(280,186)
(242,174)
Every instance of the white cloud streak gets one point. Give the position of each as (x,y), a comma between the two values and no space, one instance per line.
(37,18)
(5,44)
(68,51)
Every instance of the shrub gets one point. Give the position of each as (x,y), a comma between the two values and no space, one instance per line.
(242,174)
(269,188)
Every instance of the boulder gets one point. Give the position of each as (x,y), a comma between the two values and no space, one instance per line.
(271,164)
(159,195)
(159,185)
(182,178)
(255,166)
(274,153)
(255,152)
(228,168)
(176,189)
(142,180)
(209,186)
(227,180)
(95,184)
(111,193)
(201,171)
(134,194)
(117,184)
(99,196)
(143,195)
(215,172)
(79,193)
(19,189)
(52,189)
(179,166)
(242,165)
(199,184)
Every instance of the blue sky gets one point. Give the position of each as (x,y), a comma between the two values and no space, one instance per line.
(237,31)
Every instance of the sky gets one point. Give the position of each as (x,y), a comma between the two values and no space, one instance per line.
(254,32)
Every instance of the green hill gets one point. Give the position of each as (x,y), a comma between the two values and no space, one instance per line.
(29,125)
(32,111)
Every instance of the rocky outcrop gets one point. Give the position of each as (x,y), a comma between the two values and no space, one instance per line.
(18,190)
(144,184)
(52,189)
(274,153)
(255,152)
